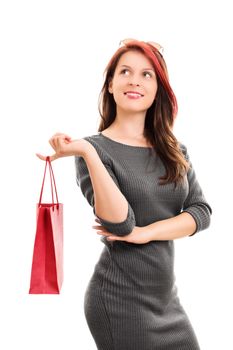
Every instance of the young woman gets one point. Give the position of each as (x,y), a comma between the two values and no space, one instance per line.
(144,192)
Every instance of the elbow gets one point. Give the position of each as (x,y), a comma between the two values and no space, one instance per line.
(202,215)
(120,228)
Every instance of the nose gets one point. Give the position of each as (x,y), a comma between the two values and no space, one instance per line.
(133,84)
(134,80)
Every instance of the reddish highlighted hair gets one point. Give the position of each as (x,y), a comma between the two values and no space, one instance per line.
(160,116)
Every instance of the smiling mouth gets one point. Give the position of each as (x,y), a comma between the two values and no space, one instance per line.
(133,94)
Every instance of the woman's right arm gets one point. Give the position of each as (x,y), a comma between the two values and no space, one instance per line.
(101,188)
(110,203)
(97,182)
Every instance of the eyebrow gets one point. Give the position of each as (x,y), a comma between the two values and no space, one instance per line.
(124,65)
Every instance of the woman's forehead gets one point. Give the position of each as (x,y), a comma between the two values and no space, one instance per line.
(135,59)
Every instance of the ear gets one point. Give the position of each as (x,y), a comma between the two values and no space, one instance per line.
(110,86)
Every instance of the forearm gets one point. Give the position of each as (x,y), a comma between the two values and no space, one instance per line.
(179,226)
(110,203)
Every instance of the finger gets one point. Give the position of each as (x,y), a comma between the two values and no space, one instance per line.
(51,158)
(114,238)
(53,140)
(63,138)
(100,229)
(99,226)
(60,136)
(103,233)
(40,156)
(57,142)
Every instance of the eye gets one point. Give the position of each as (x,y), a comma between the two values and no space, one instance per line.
(146,74)
(124,71)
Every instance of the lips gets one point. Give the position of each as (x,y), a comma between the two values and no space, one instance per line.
(134,94)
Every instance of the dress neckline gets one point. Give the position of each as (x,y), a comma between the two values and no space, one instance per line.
(124,144)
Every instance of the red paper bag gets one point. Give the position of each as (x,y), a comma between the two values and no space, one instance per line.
(47,262)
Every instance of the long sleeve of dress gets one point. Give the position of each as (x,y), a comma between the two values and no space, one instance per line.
(84,182)
(195,203)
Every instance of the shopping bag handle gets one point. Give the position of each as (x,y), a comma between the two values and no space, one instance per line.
(52,181)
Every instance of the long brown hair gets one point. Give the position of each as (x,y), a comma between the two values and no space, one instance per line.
(160,116)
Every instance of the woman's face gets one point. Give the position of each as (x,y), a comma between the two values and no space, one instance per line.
(134,84)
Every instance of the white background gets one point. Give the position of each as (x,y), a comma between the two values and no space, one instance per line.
(53,54)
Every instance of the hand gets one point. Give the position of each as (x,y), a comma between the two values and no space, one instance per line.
(139,235)
(64,146)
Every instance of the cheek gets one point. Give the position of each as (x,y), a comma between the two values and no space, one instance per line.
(120,84)
(152,89)
(117,95)
(119,88)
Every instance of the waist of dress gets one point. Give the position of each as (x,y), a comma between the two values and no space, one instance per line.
(145,266)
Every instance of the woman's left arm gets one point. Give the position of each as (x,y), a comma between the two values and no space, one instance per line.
(176,227)
(195,216)
(179,226)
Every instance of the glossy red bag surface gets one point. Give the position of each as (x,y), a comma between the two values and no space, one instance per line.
(47,261)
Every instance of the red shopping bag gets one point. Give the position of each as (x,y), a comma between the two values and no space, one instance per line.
(47,261)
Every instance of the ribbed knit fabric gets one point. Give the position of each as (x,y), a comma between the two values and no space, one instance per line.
(131,301)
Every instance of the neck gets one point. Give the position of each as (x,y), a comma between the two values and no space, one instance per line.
(129,124)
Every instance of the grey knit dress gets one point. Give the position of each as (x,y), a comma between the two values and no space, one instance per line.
(131,301)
